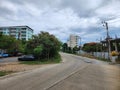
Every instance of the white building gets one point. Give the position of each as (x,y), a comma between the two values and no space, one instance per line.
(73,41)
(19,32)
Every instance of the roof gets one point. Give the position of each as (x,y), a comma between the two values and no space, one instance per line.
(112,40)
(16,27)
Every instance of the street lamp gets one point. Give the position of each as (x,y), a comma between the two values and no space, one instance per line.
(105,24)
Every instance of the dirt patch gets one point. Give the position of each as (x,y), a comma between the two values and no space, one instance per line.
(17,67)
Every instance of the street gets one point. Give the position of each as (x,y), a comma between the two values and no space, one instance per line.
(73,73)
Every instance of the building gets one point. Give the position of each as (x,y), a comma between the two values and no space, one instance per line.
(73,41)
(114,44)
(19,32)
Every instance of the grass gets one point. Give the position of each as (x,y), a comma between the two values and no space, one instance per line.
(118,60)
(103,59)
(3,73)
(93,57)
(56,59)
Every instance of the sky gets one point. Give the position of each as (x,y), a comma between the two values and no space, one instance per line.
(64,17)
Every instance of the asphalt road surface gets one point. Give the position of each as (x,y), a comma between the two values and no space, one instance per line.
(74,73)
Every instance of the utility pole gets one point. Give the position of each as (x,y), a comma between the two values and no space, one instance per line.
(101,47)
(105,24)
(116,48)
(79,43)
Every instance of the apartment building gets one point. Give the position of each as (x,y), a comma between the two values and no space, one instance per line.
(19,32)
(73,41)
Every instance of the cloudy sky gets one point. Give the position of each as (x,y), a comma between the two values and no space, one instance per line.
(64,17)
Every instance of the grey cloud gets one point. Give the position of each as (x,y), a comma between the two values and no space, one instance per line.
(61,17)
(4,12)
(84,8)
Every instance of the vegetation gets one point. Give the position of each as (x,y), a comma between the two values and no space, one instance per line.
(93,57)
(56,59)
(92,47)
(44,46)
(67,49)
(10,44)
(3,73)
(114,53)
(118,59)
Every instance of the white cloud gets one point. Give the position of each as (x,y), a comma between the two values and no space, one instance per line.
(62,17)
(8,5)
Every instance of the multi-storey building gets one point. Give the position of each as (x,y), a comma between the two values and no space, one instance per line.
(19,32)
(73,41)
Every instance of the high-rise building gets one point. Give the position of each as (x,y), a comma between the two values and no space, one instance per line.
(73,41)
(19,32)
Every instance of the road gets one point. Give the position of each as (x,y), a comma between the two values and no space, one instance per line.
(74,73)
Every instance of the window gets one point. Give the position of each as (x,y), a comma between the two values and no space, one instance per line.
(23,31)
(23,28)
(23,38)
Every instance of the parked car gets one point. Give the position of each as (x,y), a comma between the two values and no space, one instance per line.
(19,54)
(26,58)
(4,55)
(0,55)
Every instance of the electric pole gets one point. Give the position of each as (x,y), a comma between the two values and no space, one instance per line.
(105,24)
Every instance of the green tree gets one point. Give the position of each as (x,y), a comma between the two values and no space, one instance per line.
(10,44)
(89,47)
(92,47)
(65,47)
(50,45)
(38,51)
(75,49)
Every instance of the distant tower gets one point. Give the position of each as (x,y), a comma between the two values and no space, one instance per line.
(73,41)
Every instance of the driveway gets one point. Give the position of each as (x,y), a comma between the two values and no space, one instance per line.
(8,59)
(74,73)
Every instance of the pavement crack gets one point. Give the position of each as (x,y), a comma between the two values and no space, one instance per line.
(55,83)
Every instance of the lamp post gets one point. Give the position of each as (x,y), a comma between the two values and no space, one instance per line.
(105,24)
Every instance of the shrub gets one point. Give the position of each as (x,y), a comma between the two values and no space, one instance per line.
(114,53)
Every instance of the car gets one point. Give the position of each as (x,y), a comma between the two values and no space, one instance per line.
(0,55)
(26,58)
(19,54)
(4,55)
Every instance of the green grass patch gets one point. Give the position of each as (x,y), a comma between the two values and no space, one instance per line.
(3,73)
(56,59)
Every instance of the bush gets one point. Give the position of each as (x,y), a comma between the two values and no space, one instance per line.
(43,46)
(114,53)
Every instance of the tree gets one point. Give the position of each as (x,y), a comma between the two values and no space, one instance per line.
(89,47)
(44,45)
(92,47)
(38,51)
(75,49)
(65,47)
(10,44)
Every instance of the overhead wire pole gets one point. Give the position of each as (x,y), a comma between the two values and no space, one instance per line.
(79,41)
(108,39)
(80,44)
